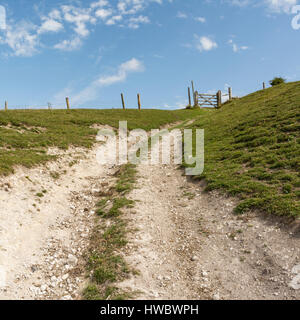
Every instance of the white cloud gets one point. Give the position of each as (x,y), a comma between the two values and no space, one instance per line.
(278,6)
(237,48)
(100,3)
(22,39)
(79,17)
(200,19)
(103,13)
(50,25)
(205,43)
(240,3)
(124,69)
(281,5)
(181,15)
(134,23)
(113,20)
(132,6)
(69,45)
(55,14)
(91,92)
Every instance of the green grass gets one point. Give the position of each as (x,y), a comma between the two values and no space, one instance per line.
(25,135)
(126,179)
(105,266)
(252,150)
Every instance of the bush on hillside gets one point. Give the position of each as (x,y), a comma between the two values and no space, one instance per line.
(276,81)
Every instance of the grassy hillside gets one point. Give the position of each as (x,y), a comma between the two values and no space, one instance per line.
(251,144)
(252,149)
(26,135)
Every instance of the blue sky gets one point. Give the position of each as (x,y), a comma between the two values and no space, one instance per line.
(93,50)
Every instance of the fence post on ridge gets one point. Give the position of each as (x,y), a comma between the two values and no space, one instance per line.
(139,101)
(68,103)
(123,103)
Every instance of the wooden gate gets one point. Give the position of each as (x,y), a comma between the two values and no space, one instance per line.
(208,100)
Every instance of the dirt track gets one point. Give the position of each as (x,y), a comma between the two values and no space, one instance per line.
(186,244)
(190,245)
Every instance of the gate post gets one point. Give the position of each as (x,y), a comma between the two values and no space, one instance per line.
(230,93)
(193,90)
(196,99)
(219,99)
(189,94)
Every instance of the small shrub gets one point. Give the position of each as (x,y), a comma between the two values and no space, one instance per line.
(276,81)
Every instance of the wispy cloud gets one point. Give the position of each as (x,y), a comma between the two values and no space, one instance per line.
(90,92)
(181,15)
(69,45)
(200,19)
(237,48)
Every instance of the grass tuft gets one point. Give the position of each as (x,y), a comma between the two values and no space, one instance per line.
(105,266)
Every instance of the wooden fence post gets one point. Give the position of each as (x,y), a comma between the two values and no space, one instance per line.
(139,101)
(189,93)
(193,89)
(68,103)
(219,98)
(230,93)
(264,86)
(6,106)
(123,103)
(196,99)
